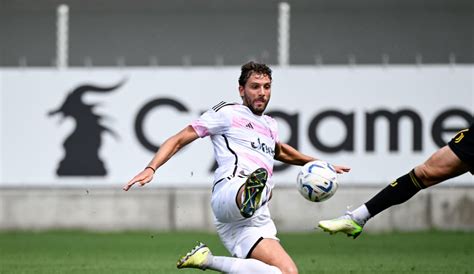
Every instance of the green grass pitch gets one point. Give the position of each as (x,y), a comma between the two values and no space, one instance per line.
(153,252)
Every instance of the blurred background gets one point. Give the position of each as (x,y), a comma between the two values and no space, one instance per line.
(90,89)
(210,32)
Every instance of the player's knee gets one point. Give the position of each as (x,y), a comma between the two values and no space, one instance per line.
(426,175)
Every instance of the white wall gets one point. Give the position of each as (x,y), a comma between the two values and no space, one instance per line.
(165,209)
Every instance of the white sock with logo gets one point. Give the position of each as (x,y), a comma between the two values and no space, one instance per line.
(360,215)
(233,265)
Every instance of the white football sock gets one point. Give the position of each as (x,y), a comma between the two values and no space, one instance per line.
(233,265)
(360,215)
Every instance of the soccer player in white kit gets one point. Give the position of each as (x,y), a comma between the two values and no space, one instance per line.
(246,143)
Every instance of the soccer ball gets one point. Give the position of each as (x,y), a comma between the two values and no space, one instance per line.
(317,181)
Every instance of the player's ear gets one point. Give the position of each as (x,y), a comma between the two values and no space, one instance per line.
(241,91)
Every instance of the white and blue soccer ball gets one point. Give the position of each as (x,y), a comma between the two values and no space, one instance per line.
(317,181)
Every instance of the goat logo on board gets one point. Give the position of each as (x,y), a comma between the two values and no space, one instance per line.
(82,146)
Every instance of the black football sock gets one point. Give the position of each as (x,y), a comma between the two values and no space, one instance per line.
(395,193)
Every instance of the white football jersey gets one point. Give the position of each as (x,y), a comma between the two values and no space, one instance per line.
(242,140)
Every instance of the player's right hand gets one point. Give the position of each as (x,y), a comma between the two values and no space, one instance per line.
(142,178)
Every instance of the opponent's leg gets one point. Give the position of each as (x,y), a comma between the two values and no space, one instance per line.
(397,192)
(442,165)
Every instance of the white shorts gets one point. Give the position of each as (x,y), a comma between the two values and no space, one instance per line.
(238,234)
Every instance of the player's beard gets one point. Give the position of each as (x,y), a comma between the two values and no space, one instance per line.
(252,105)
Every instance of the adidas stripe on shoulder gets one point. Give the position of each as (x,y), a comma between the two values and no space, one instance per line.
(222,104)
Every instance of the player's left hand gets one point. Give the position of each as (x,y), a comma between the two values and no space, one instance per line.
(142,178)
(341,169)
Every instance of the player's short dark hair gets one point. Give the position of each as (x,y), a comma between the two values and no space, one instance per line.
(251,67)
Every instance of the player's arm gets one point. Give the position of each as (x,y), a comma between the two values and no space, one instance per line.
(289,155)
(166,151)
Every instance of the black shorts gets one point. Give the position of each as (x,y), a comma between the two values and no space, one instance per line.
(463,146)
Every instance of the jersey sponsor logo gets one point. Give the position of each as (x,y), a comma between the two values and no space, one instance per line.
(262,147)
